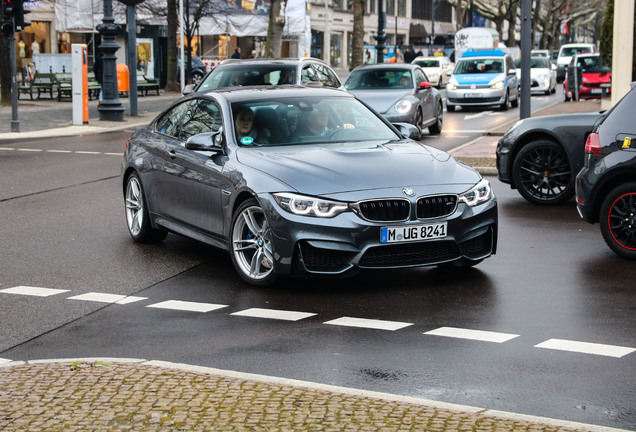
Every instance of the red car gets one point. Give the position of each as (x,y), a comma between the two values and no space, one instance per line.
(595,77)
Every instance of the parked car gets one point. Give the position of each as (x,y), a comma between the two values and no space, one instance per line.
(199,69)
(435,68)
(358,195)
(565,56)
(400,92)
(247,72)
(606,186)
(542,75)
(483,78)
(540,156)
(594,75)
(540,53)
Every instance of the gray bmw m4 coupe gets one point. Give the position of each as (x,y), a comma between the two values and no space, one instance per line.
(298,180)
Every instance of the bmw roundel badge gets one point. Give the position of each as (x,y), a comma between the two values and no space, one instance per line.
(408,192)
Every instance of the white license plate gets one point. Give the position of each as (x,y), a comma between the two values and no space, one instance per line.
(472,95)
(409,233)
(596,91)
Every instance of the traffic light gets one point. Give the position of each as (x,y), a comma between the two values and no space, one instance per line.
(8,9)
(18,14)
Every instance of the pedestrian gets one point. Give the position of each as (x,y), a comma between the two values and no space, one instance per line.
(237,53)
(452,56)
(409,55)
(253,54)
(98,70)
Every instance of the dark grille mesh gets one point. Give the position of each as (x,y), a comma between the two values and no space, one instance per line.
(478,246)
(385,210)
(409,254)
(436,206)
(317,259)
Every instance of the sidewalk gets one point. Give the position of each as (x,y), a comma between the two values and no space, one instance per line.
(138,395)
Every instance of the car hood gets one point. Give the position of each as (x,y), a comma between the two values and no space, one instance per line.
(598,78)
(347,167)
(382,100)
(477,79)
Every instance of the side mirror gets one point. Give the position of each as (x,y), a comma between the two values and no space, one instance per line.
(188,89)
(408,130)
(208,141)
(512,72)
(449,73)
(425,85)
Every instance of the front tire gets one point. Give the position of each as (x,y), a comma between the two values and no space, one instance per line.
(542,173)
(618,220)
(436,128)
(137,215)
(506,103)
(251,245)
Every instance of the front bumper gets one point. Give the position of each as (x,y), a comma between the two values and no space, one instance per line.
(348,242)
(476,97)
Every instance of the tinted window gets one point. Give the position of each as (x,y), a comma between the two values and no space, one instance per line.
(326,76)
(379,79)
(477,66)
(427,63)
(245,74)
(170,122)
(202,115)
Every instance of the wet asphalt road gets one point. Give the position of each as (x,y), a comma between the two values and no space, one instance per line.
(552,278)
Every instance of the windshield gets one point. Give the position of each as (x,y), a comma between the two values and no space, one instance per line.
(379,79)
(570,51)
(288,121)
(478,66)
(248,75)
(427,63)
(592,64)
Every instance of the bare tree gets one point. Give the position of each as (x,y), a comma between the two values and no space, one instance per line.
(275,30)
(357,55)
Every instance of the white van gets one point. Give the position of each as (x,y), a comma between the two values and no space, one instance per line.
(565,55)
(477,38)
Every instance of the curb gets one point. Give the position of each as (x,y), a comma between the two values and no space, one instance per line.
(357,393)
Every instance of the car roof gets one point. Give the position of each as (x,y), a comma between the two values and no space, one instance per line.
(405,66)
(491,53)
(282,60)
(265,92)
(428,58)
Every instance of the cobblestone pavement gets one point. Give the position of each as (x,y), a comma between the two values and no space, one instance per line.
(135,395)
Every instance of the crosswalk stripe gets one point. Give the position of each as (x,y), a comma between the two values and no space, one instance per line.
(33,291)
(586,348)
(369,323)
(4,360)
(479,335)
(187,306)
(107,298)
(274,314)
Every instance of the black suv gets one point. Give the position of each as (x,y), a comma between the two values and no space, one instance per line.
(606,186)
(248,72)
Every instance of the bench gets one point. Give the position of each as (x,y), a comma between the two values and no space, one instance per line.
(64,85)
(146,84)
(41,83)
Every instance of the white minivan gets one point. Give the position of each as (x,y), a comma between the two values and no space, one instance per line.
(565,55)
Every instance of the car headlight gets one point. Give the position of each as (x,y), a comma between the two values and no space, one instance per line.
(478,194)
(451,86)
(403,106)
(497,85)
(309,206)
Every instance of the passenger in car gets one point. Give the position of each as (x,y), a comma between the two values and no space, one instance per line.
(246,134)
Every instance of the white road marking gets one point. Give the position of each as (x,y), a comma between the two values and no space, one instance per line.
(107,298)
(187,306)
(7,148)
(85,152)
(369,323)
(586,348)
(29,150)
(474,116)
(59,151)
(33,291)
(480,335)
(88,152)
(274,314)
(114,154)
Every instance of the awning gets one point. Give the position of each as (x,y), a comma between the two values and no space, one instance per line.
(417,30)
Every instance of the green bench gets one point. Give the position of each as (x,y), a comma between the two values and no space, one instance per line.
(65,86)
(144,85)
(41,83)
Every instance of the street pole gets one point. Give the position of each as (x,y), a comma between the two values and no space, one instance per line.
(132,60)
(433,27)
(111,108)
(15,123)
(526,46)
(381,36)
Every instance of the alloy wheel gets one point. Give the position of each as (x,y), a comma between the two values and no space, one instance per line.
(251,244)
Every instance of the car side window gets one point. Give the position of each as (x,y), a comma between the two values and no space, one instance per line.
(308,74)
(420,77)
(170,122)
(202,115)
(326,76)
(509,64)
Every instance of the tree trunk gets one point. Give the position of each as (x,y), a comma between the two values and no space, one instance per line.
(172,82)
(5,72)
(275,31)
(358,34)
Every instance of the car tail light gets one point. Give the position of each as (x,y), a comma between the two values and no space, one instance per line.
(127,143)
(593,144)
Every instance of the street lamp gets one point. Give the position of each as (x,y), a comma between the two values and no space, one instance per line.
(110,107)
(381,36)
